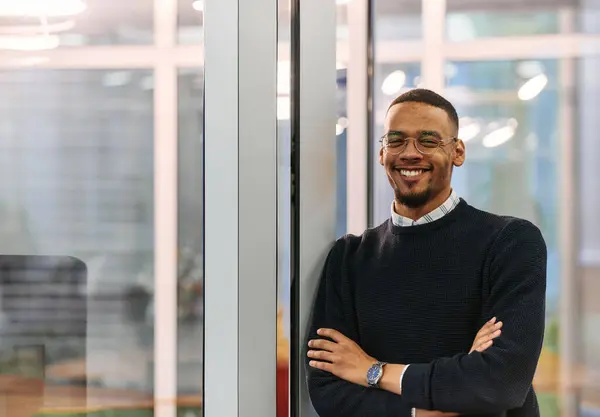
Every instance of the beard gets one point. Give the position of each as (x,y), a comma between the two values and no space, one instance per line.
(413,199)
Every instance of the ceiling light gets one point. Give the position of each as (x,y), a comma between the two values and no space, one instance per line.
(499,136)
(469,129)
(343,121)
(41,8)
(533,87)
(198,5)
(338,129)
(393,83)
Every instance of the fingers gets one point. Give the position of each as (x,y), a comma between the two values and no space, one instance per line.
(321,355)
(324,366)
(322,344)
(485,337)
(486,328)
(332,334)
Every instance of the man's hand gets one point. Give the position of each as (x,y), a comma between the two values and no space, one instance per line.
(342,357)
(485,337)
(345,359)
(483,341)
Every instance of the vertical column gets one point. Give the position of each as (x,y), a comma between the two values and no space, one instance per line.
(567,227)
(434,37)
(165,213)
(313,110)
(359,106)
(221,208)
(240,208)
(257,144)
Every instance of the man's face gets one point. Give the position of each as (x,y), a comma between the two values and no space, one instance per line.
(418,178)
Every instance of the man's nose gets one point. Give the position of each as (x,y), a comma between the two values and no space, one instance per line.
(411,151)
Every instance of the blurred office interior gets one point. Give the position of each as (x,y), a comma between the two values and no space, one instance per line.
(108,157)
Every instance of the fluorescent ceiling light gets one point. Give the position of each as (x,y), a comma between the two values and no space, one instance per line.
(29,43)
(41,8)
(198,5)
(501,135)
(393,83)
(469,129)
(338,129)
(533,87)
(343,121)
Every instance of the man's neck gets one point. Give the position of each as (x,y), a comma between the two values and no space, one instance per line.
(415,213)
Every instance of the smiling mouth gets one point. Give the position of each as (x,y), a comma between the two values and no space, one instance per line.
(409,173)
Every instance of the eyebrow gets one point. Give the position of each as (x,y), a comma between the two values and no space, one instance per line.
(421,133)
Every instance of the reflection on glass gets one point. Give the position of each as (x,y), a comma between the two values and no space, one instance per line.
(77,180)
(190,280)
(389,81)
(45,25)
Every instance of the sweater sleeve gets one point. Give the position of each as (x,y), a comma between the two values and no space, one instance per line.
(330,395)
(500,378)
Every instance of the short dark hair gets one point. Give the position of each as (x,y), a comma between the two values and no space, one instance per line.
(423,95)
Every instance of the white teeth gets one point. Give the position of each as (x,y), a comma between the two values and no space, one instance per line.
(411,172)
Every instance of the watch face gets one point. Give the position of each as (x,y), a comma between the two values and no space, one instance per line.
(373,373)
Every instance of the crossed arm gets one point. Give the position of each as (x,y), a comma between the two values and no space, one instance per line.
(345,359)
(495,380)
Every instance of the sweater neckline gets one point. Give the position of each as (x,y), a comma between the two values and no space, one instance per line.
(436,224)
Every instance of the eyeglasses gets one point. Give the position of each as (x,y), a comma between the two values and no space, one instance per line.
(426,144)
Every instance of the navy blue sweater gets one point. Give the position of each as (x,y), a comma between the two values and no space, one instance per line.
(418,295)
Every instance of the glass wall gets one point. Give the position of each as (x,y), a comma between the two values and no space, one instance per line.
(520,76)
(101,306)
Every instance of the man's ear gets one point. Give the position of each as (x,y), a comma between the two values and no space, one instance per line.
(381,156)
(460,153)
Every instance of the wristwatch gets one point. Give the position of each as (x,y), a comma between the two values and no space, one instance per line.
(374,374)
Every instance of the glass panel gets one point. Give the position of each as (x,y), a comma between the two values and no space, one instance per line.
(587,123)
(514,116)
(389,81)
(397,20)
(77,181)
(38,26)
(190,21)
(190,282)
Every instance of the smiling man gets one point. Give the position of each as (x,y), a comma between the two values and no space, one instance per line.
(398,307)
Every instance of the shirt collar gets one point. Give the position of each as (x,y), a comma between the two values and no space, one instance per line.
(448,205)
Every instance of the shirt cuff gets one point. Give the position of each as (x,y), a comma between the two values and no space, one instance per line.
(402,377)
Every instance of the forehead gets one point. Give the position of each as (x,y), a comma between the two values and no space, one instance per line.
(411,117)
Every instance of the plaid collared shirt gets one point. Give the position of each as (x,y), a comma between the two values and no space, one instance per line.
(449,205)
